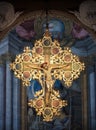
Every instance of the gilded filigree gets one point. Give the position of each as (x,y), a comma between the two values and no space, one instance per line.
(47,62)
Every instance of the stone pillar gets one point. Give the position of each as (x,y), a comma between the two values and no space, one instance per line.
(10,98)
(16,103)
(24,118)
(8,122)
(2,98)
(92,98)
(84,88)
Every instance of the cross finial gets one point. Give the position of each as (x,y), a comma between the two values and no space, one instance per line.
(47,33)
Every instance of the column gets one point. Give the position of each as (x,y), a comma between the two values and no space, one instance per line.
(8,122)
(84,90)
(10,98)
(2,98)
(16,103)
(24,118)
(92,98)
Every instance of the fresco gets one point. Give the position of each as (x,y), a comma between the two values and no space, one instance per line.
(26,30)
(68,33)
(78,32)
(56,28)
(33,88)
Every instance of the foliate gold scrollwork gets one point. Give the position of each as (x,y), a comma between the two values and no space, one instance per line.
(47,62)
(51,108)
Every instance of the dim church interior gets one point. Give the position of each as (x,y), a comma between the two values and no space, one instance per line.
(23,22)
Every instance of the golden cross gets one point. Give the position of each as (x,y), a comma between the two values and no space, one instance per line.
(47,62)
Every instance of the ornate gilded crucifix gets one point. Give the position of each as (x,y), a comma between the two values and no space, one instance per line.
(47,62)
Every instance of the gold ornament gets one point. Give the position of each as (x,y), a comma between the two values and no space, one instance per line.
(47,105)
(46,62)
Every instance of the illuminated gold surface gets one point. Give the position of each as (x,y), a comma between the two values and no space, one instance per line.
(46,62)
(47,108)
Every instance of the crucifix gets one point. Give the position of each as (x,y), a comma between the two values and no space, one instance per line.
(47,62)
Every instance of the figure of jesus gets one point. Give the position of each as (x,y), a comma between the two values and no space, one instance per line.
(47,68)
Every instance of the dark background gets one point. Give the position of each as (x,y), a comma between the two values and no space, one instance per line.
(42,4)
